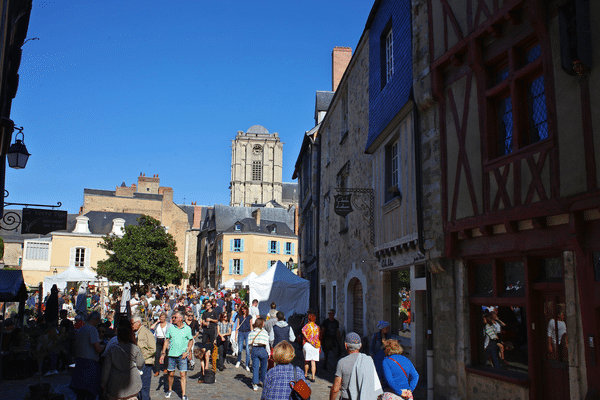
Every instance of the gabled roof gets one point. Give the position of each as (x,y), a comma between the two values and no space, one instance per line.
(225,218)
(323,99)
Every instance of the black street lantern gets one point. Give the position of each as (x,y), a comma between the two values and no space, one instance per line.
(17,153)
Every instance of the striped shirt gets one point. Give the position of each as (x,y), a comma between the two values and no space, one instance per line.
(259,337)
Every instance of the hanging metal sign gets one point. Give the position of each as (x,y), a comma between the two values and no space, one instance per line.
(40,221)
(343,204)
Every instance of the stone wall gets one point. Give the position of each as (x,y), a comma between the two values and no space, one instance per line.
(348,255)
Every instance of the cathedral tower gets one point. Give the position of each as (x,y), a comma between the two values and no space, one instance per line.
(256,167)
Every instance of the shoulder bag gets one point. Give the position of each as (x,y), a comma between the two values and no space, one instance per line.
(300,389)
(406,393)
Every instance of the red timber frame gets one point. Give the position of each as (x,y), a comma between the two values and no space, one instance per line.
(465,59)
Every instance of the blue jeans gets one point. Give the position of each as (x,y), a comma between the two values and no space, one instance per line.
(260,358)
(243,341)
(492,351)
(146,379)
(177,362)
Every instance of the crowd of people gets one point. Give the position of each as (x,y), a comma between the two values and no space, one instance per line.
(120,341)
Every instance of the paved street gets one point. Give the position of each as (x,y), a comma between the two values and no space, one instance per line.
(233,383)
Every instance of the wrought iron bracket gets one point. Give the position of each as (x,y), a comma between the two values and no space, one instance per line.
(12,219)
(364,203)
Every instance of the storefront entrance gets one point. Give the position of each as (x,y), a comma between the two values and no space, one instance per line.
(552,336)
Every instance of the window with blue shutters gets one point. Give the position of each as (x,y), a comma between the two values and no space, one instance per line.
(277,247)
(273,247)
(289,248)
(237,245)
(236,267)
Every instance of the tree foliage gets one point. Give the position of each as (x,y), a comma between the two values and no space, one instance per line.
(144,255)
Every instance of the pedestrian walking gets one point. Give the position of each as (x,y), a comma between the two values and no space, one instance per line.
(120,370)
(259,344)
(312,345)
(179,341)
(86,349)
(160,328)
(242,336)
(223,334)
(400,374)
(277,382)
(147,344)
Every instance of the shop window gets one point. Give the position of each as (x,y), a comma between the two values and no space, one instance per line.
(516,99)
(498,300)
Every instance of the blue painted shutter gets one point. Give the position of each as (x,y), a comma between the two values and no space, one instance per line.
(268,246)
(277,247)
(231,245)
(293,249)
(242,245)
(242,267)
(230,267)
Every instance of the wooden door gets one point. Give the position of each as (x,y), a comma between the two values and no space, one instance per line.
(358,308)
(554,346)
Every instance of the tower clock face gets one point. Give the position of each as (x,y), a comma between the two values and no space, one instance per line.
(257,149)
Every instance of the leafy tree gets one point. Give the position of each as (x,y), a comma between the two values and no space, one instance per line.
(144,255)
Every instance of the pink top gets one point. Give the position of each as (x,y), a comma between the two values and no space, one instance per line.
(311,331)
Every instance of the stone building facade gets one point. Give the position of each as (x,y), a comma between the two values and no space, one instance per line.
(256,170)
(348,277)
(149,198)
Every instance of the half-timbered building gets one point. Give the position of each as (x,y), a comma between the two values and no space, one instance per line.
(514,85)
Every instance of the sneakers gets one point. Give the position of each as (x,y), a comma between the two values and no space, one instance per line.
(237,364)
(169,393)
(247,368)
(184,398)
(255,388)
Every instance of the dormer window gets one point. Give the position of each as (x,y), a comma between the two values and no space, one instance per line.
(272,228)
(238,226)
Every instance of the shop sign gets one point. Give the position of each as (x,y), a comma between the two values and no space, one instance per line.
(41,221)
(343,204)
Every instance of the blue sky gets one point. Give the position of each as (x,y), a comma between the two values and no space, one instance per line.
(113,88)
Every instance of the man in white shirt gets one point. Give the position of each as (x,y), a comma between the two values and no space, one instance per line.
(254,313)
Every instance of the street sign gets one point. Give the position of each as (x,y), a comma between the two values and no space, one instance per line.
(343,204)
(36,220)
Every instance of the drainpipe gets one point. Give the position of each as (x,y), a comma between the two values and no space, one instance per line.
(420,218)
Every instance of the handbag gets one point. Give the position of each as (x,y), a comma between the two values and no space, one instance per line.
(300,389)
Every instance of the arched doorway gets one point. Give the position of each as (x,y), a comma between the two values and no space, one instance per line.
(355,306)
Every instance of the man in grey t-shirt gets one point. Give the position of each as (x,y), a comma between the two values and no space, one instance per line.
(345,367)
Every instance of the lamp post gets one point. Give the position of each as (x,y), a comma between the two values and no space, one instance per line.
(55,271)
(290,263)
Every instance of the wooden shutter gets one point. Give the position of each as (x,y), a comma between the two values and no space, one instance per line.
(242,267)
(88,256)
(230,267)
(242,241)
(72,257)
(277,247)
(231,245)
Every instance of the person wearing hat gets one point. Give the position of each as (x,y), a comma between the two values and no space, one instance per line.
(376,347)
(355,375)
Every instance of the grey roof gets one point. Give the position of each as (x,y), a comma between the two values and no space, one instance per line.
(290,192)
(225,217)
(249,226)
(258,129)
(189,210)
(101,222)
(111,193)
(323,100)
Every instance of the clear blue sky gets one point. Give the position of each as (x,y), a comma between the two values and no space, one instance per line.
(113,88)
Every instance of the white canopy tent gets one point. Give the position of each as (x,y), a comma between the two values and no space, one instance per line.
(71,274)
(246,281)
(230,284)
(280,285)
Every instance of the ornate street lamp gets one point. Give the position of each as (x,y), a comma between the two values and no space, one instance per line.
(17,153)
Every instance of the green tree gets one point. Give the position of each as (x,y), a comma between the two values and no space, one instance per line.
(145,255)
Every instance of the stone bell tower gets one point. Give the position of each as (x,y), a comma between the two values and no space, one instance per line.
(256,167)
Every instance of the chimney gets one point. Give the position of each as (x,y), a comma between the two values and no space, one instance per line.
(256,216)
(340,58)
(82,225)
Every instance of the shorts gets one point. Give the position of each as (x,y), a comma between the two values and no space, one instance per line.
(179,362)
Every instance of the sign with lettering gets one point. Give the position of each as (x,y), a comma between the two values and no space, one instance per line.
(342,204)
(41,221)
